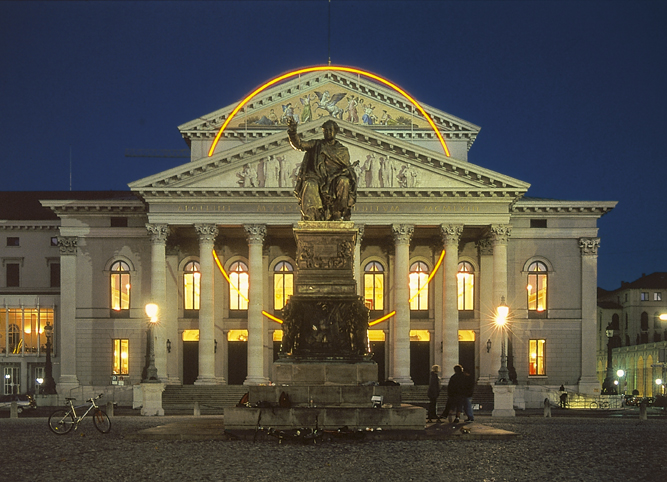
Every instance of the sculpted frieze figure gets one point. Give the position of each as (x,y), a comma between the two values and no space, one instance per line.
(326,185)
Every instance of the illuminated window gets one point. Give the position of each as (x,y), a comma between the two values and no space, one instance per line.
(537,287)
(374,286)
(466,286)
(191,285)
(418,286)
(644,296)
(22,329)
(283,284)
(657,296)
(121,357)
(120,287)
(537,366)
(238,288)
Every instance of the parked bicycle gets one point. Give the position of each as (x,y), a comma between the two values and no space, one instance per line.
(63,421)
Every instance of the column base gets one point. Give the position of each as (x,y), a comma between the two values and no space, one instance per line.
(407,381)
(503,401)
(152,399)
(254,381)
(65,386)
(206,381)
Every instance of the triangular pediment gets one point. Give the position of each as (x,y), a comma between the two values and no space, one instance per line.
(385,167)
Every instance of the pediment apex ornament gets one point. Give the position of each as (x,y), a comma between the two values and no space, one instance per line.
(158,232)
(402,233)
(255,233)
(589,246)
(500,233)
(451,234)
(67,245)
(206,232)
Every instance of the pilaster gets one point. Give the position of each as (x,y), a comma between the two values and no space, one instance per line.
(588,382)
(67,326)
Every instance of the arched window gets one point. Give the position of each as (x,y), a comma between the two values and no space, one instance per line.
(374,286)
(283,284)
(466,286)
(239,286)
(418,286)
(191,285)
(120,287)
(537,288)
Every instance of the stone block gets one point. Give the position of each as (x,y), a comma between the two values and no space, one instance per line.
(340,373)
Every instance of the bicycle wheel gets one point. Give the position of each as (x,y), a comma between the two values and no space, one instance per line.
(61,422)
(101,421)
(605,406)
(594,405)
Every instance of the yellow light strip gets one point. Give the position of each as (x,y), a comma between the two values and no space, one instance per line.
(430,277)
(380,320)
(271,317)
(224,273)
(335,68)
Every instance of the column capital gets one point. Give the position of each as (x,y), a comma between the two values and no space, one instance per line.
(451,233)
(402,233)
(255,233)
(158,232)
(67,245)
(485,247)
(206,232)
(589,246)
(500,233)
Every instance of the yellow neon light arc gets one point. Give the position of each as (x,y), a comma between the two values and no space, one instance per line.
(380,320)
(224,273)
(430,277)
(318,68)
(271,317)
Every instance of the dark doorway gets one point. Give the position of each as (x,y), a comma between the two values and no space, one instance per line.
(420,368)
(237,362)
(190,362)
(467,356)
(377,348)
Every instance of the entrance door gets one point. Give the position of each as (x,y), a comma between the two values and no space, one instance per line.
(420,367)
(377,348)
(238,362)
(467,356)
(190,362)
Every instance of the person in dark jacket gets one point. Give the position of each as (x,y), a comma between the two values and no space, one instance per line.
(468,390)
(433,392)
(455,391)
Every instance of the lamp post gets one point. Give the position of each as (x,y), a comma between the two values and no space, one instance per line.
(49,385)
(151,370)
(620,374)
(501,322)
(608,387)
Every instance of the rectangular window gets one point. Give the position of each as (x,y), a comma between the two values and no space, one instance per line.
(657,296)
(537,365)
(537,292)
(12,271)
(466,290)
(119,222)
(121,357)
(55,275)
(644,296)
(538,223)
(13,241)
(54,241)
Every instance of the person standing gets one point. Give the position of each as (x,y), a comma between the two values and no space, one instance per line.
(433,392)
(455,392)
(468,390)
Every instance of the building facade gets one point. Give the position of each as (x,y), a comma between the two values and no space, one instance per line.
(441,243)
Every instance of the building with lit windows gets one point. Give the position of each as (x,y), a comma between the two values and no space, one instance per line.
(441,241)
(629,324)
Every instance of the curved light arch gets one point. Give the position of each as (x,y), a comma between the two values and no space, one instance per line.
(319,68)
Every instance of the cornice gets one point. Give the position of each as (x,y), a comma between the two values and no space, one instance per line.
(95,207)
(29,226)
(554,207)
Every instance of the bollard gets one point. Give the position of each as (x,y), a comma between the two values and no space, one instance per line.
(197,410)
(642,410)
(14,410)
(547,408)
(110,409)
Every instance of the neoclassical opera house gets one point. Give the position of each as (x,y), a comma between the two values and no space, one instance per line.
(441,242)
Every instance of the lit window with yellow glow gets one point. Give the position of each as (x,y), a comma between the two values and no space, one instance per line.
(537,287)
(466,286)
(418,286)
(537,365)
(121,357)
(191,285)
(374,286)
(239,286)
(283,284)
(120,286)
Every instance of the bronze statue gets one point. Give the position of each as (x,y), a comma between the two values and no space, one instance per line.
(326,185)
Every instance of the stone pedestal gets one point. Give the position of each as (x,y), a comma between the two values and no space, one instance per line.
(152,399)
(295,373)
(503,401)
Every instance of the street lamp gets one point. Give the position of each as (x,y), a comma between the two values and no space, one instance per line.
(501,322)
(49,385)
(151,370)
(608,387)
(620,374)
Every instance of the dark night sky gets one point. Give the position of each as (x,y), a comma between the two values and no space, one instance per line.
(571,95)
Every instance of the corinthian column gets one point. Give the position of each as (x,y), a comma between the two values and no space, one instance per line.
(499,237)
(588,382)
(255,234)
(158,234)
(401,321)
(451,235)
(207,234)
(66,328)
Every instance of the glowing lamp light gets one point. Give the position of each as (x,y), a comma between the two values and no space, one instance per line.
(620,373)
(319,68)
(503,310)
(39,380)
(663,317)
(658,381)
(151,311)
